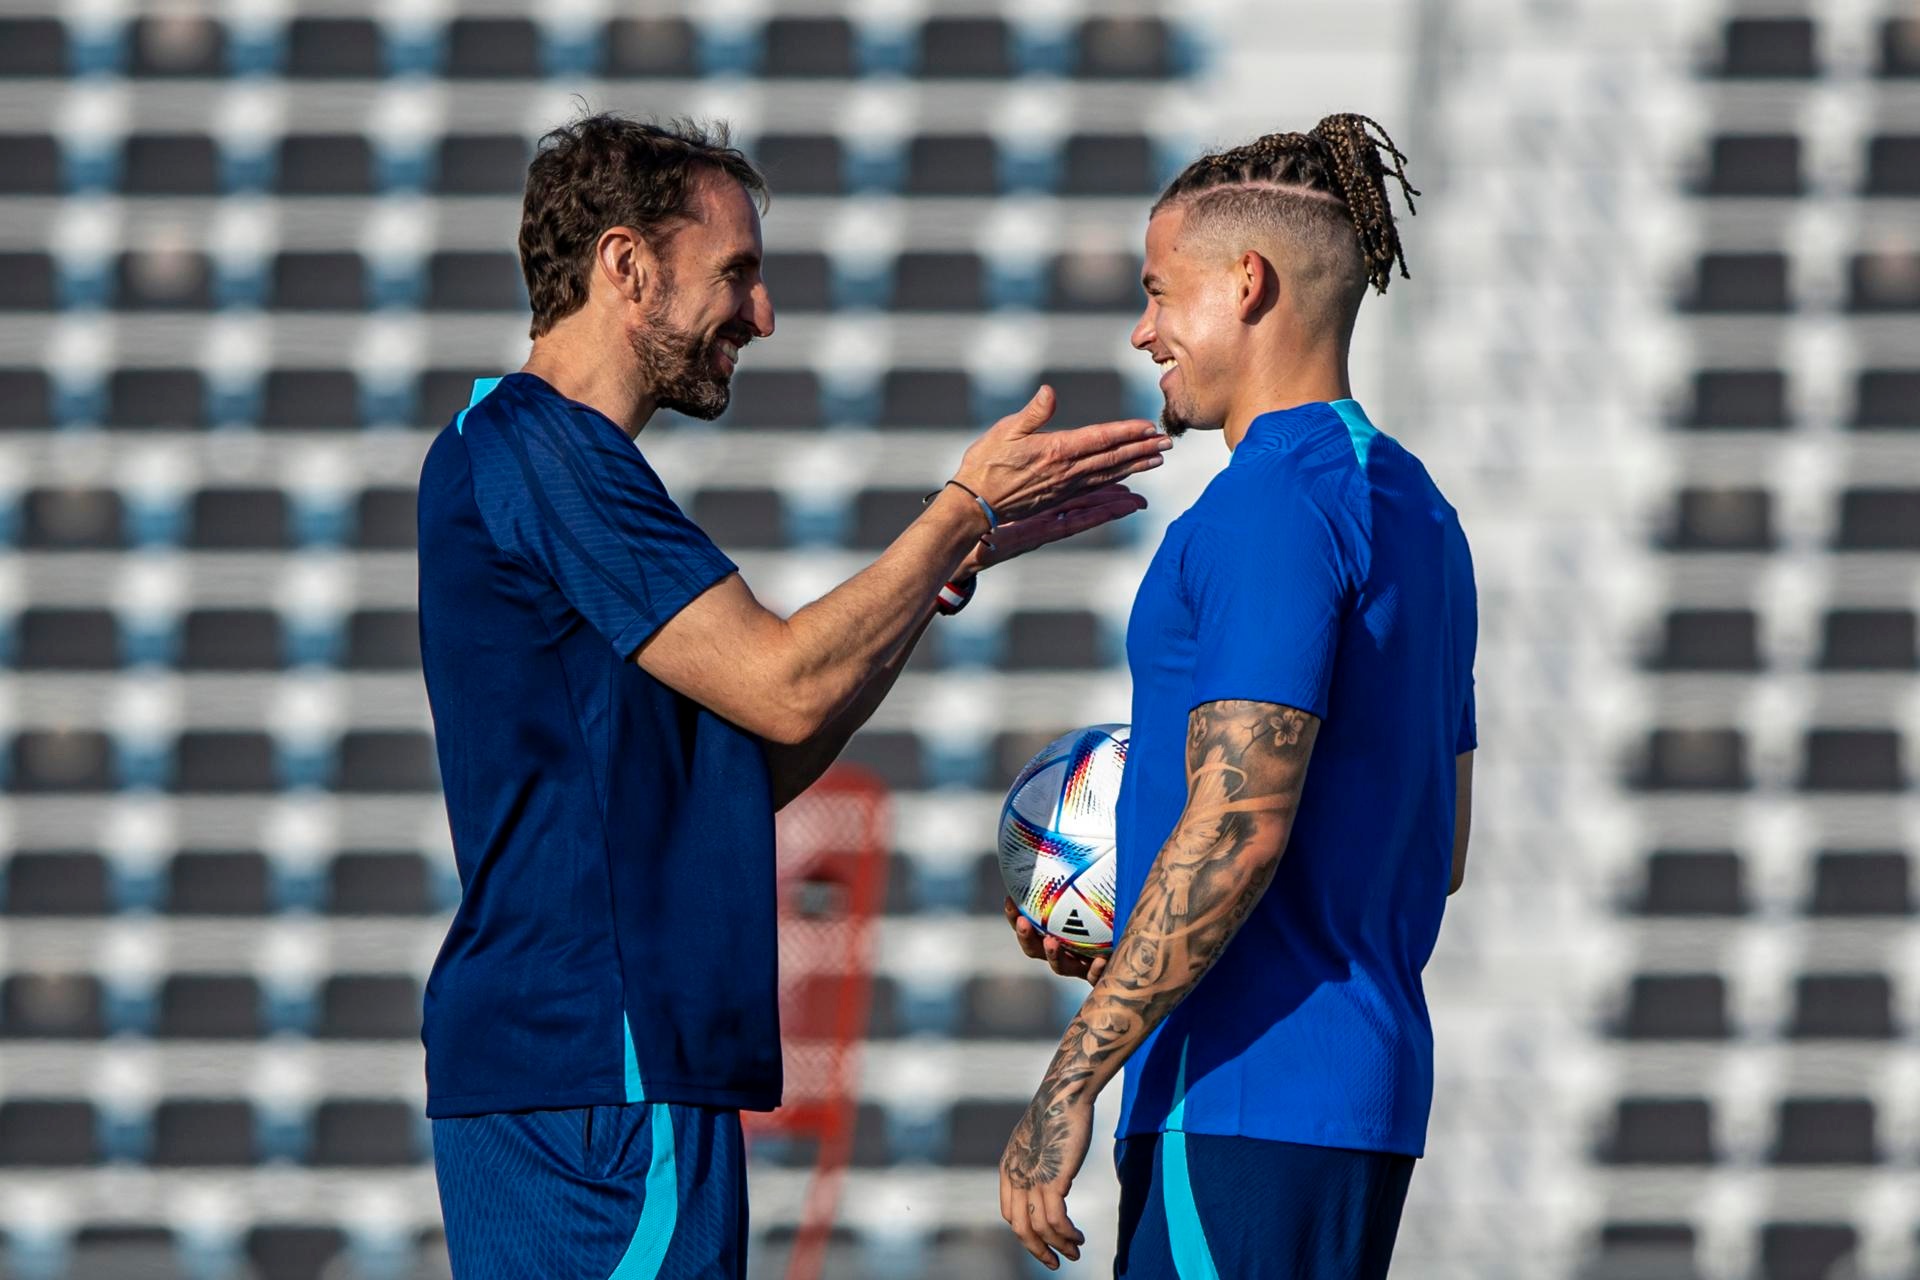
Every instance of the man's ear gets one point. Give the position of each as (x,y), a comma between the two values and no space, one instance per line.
(1257,286)
(625,262)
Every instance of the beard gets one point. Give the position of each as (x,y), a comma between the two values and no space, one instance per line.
(1178,422)
(678,369)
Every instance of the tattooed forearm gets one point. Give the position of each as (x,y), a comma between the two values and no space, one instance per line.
(1246,762)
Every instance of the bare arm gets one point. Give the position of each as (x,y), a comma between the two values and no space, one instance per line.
(786,679)
(1462,818)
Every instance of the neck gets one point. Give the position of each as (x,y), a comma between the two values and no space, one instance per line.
(574,362)
(1287,383)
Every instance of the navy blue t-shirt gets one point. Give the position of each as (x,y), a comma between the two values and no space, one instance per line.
(615,937)
(1323,570)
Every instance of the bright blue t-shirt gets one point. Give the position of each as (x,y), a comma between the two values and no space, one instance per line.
(1322,569)
(615,937)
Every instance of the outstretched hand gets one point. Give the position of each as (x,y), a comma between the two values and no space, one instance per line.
(1023,471)
(1075,515)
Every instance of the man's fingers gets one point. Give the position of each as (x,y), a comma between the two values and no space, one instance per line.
(1056,1228)
(1098,967)
(1028,936)
(1025,1227)
(1084,442)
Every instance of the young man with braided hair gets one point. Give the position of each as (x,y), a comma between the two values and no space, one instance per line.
(1317,602)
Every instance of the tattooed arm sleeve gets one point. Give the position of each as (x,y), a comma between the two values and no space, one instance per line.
(1246,762)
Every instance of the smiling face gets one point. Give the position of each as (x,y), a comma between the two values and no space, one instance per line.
(1191,325)
(705,302)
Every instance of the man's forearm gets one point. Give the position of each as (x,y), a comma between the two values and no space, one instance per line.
(797,767)
(1205,881)
(843,641)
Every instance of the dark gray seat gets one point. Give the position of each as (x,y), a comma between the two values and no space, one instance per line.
(469,164)
(1868,640)
(977,1131)
(1739,398)
(802,164)
(1093,280)
(66,640)
(240,520)
(632,48)
(386,520)
(49,1132)
(310,399)
(1842,1006)
(231,640)
(1805,1250)
(1676,1006)
(324,164)
(1109,164)
(33,47)
(1893,165)
(294,1252)
(209,1006)
(203,1133)
(963,164)
(1852,760)
(1053,640)
(1660,1131)
(31,164)
(926,398)
(475,281)
(880,514)
(926,281)
(1693,882)
(798,280)
(1899,48)
(29,281)
(177,44)
(1825,1131)
(67,882)
(1879,520)
(811,47)
(73,519)
(1708,640)
(1009,1008)
(776,398)
(441,393)
(491,49)
(26,400)
(1883,283)
(383,640)
(1753,165)
(386,760)
(1642,1251)
(1722,520)
(219,883)
(1695,760)
(1887,398)
(1740,282)
(159,398)
(317,281)
(1127,48)
(971,47)
(224,761)
(1861,882)
(52,1006)
(163,280)
(394,883)
(333,48)
(370,1006)
(894,755)
(747,519)
(364,1132)
(170,164)
(62,760)
(1768,49)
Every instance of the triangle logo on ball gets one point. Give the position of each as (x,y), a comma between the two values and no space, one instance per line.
(1073,926)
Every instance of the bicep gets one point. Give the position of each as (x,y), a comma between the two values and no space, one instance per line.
(1462,816)
(1246,767)
(722,650)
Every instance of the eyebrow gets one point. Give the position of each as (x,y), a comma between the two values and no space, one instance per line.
(744,258)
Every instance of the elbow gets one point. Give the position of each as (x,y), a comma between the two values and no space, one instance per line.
(788,726)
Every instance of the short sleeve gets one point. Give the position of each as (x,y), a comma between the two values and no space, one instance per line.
(1468,738)
(1267,602)
(576,500)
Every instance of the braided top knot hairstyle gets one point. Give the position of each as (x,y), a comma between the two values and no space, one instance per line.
(1336,165)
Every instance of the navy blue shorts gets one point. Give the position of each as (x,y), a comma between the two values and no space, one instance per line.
(1194,1206)
(646,1191)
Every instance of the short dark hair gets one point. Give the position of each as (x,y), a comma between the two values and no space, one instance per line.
(1333,171)
(607,170)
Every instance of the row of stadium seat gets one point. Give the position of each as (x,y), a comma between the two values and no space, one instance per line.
(181,279)
(1694,639)
(1758,284)
(1842,760)
(1758,399)
(1114,162)
(1771,47)
(122,1250)
(1690,883)
(953,163)
(492,48)
(1822,1006)
(205,640)
(1807,1130)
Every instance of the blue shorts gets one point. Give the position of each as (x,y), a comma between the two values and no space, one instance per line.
(1194,1206)
(646,1191)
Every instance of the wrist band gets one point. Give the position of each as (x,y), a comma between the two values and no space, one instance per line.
(993,521)
(953,596)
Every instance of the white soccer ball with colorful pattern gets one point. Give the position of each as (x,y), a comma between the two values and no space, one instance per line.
(1057,836)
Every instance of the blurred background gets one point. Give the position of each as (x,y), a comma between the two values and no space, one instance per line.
(1661,348)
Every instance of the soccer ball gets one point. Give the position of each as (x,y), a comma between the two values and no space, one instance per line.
(1057,836)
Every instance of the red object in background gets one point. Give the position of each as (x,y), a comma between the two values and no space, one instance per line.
(833,843)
